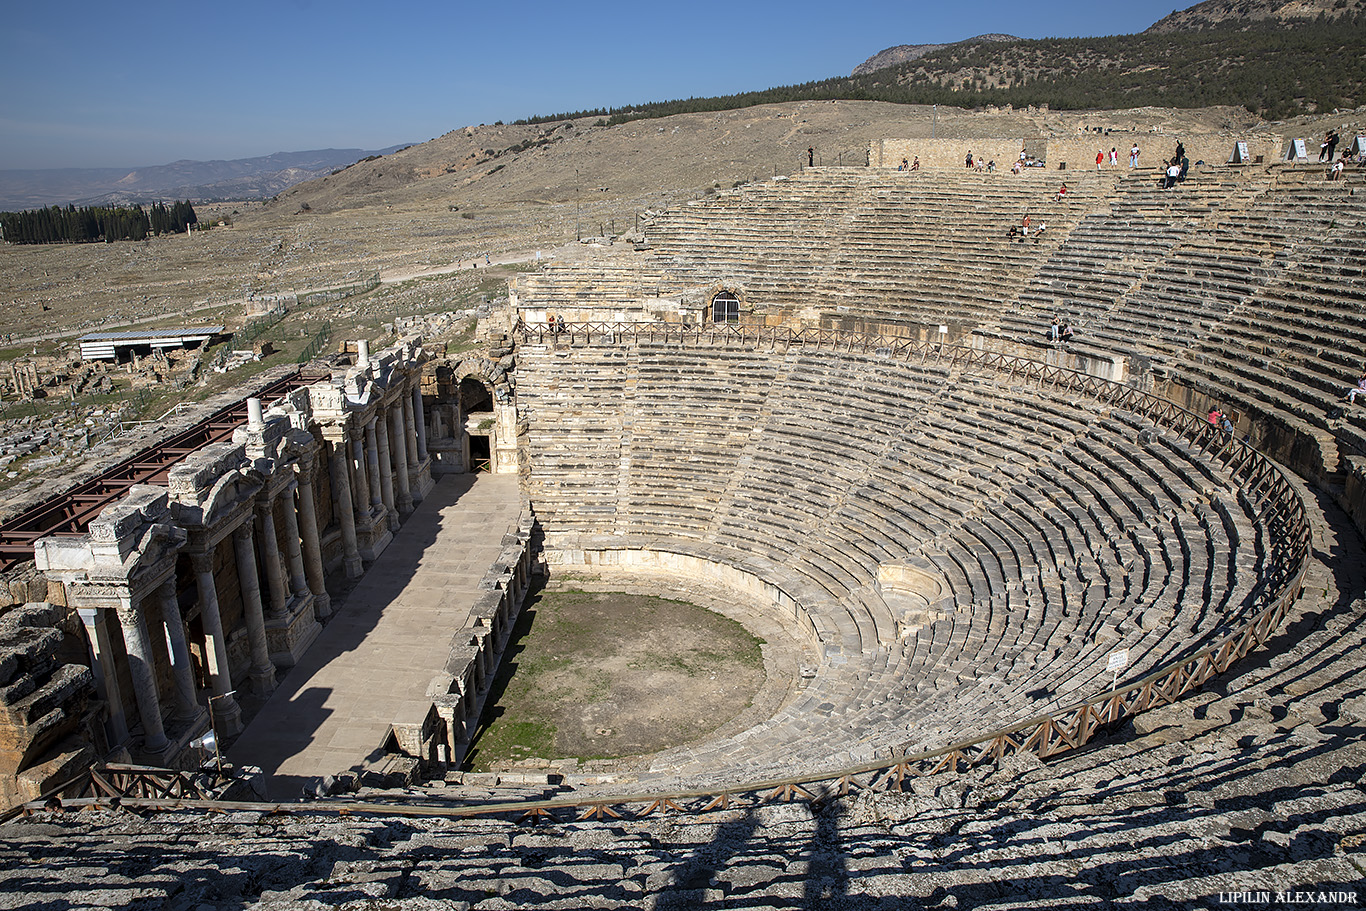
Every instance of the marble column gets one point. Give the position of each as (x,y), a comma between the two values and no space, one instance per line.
(346,517)
(372,466)
(361,489)
(227,714)
(294,555)
(106,679)
(313,551)
(386,470)
(270,555)
(400,449)
(262,671)
(419,422)
(178,647)
(139,648)
(410,433)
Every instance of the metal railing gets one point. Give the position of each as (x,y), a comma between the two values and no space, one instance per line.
(70,512)
(1045,735)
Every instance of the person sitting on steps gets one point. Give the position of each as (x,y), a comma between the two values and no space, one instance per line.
(1357,390)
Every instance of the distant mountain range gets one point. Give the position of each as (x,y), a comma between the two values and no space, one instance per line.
(243,178)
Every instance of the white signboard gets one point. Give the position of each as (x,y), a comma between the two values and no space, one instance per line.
(1239,155)
(1296,151)
(1119,660)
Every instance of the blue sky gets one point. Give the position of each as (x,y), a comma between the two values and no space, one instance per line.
(98,84)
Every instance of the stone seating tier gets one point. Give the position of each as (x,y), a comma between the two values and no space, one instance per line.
(1260,311)
(1232,281)
(1153,816)
(1057,536)
(1294,347)
(857,244)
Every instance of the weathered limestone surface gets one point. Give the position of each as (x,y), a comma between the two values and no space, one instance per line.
(846,490)
(1252,786)
(44,732)
(957,548)
(234,540)
(1241,289)
(369,676)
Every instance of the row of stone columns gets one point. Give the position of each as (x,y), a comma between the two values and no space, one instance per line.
(304,547)
(303,557)
(306,578)
(371,471)
(137,645)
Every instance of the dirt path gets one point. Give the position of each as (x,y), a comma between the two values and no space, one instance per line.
(401,274)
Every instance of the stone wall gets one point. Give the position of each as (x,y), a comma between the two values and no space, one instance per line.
(438,733)
(44,729)
(784,608)
(945,153)
(23,584)
(1354,491)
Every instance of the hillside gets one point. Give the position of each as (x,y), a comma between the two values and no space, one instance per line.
(1264,66)
(1243,14)
(502,189)
(905,53)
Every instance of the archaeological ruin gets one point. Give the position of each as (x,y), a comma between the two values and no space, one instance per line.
(832,400)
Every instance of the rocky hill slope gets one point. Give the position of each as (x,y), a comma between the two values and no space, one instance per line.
(905,53)
(1244,13)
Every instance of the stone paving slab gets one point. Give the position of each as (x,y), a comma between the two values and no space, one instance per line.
(376,656)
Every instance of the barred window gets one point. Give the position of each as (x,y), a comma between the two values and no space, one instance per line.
(725,308)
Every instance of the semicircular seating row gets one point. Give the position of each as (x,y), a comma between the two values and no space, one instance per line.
(1260,309)
(1054,534)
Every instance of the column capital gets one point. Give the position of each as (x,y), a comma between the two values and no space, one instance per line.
(307,464)
(242,534)
(167,588)
(334,432)
(127,613)
(202,561)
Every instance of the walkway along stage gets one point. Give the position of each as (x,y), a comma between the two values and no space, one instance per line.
(406,660)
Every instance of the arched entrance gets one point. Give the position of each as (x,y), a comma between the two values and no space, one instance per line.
(481,425)
(725,307)
(473,425)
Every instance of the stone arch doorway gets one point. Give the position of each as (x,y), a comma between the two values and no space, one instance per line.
(476,404)
(474,421)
